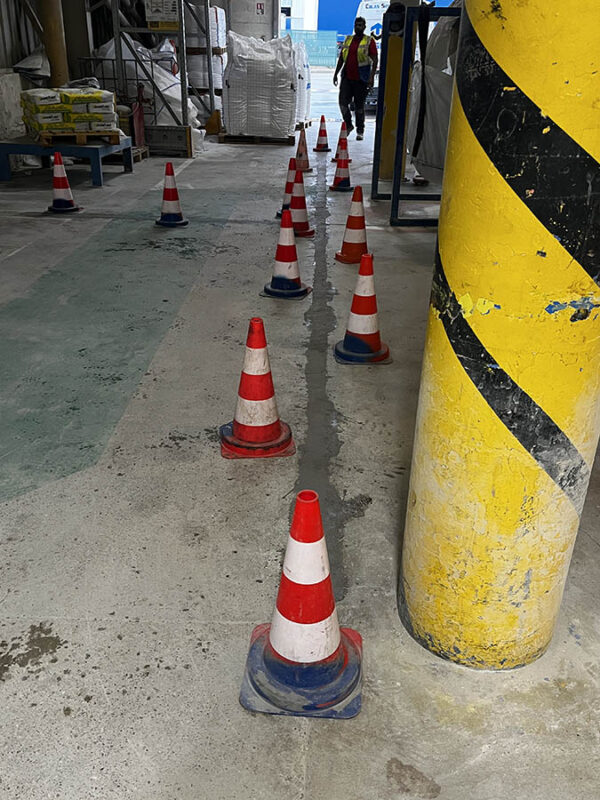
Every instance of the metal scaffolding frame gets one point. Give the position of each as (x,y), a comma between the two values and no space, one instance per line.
(178,31)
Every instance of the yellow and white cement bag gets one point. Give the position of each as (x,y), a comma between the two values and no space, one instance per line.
(86,96)
(99,108)
(40,97)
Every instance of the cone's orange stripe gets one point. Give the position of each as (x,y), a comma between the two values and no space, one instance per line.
(256,334)
(256,387)
(60,182)
(256,433)
(286,253)
(305,603)
(307,525)
(356,223)
(364,305)
(170,194)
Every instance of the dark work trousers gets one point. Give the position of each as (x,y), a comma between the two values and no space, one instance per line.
(357,91)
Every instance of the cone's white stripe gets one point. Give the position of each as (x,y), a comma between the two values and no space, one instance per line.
(286,269)
(356,209)
(286,236)
(305,643)
(170,182)
(365,286)
(63,194)
(171,207)
(59,171)
(298,190)
(299,215)
(342,172)
(362,323)
(306,562)
(354,235)
(256,361)
(256,412)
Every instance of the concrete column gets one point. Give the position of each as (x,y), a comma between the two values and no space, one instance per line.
(509,408)
(54,40)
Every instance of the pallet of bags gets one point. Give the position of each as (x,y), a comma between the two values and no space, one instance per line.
(69,110)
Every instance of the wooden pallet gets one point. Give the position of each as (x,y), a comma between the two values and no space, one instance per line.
(137,153)
(226,138)
(47,138)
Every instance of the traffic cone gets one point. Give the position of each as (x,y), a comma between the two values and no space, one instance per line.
(170,215)
(285,282)
(354,244)
(256,430)
(302,153)
(322,143)
(298,208)
(62,197)
(342,145)
(341,180)
(362,343)
(303,664)
(289,187)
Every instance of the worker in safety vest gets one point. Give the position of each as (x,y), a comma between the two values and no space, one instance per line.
(359,61)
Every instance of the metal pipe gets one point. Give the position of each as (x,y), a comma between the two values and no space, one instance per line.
(182,60)
(211,83)
(51,18)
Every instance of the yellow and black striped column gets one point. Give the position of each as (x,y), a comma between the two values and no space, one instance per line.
(509,408)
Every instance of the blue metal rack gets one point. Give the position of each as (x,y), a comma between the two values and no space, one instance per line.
(397,195)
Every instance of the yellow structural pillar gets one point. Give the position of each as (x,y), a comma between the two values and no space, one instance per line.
(391,99)
(509,407)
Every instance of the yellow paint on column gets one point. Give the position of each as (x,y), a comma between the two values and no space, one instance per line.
(525,272)
(562,40)
(484,563)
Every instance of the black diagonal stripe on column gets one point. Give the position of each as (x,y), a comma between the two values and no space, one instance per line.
(556,178)
(528,423)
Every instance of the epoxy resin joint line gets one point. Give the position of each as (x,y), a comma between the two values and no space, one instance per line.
(322,442)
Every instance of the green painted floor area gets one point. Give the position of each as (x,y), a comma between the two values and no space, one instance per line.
(73,350)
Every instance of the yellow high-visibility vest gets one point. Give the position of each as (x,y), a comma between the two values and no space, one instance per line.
(362,53)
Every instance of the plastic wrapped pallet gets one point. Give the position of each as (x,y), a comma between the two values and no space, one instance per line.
(198,74)
(218,26)
(260,86)
(303,93)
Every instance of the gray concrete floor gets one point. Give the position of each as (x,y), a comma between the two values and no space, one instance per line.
(135,561)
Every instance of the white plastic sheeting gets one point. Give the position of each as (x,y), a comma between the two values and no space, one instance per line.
(198,73)
(218,27)
(440,61)
(168,83)
(260,87)
(303,92)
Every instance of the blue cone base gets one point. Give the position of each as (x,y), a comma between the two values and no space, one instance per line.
(279,214)
(322,150)
(286,294)
(360,354)
(63,210)
(172,223)
(341,188)
(330,689)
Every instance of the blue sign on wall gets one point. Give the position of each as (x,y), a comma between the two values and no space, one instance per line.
(337,15)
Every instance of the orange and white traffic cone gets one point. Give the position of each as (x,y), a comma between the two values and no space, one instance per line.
(341,179)
(354,244)
(62,197)
(302,153)
(286,282)
(342,145)
(298,208)
(289,186)
(303,664)
(170,215)
(362,343)
(322,143)
(256,430)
